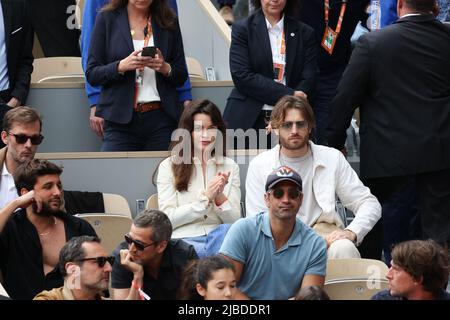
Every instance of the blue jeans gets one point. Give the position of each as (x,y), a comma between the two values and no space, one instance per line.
(148,131)
(210,244)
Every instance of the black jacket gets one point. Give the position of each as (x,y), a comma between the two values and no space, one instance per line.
(399,76)
(19,47)
(252,67)
(111,42)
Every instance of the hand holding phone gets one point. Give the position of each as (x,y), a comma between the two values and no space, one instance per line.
(149,51)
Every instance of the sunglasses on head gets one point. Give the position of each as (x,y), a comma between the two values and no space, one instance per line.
(287,125)
(293,193)
(23,138)
(101,261)
(138,244)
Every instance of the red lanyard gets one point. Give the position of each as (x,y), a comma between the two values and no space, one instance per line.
(341,14)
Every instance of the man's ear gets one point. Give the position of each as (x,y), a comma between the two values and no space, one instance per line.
(266,199)
(71,268)
(161,246)
(400,5)
(418,280)
(4,137)
(23,191)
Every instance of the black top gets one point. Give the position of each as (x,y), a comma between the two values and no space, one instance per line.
(21,260)
(55,26)
(19,47)
(404,99)
(386,295)
(165,287)
(312,12)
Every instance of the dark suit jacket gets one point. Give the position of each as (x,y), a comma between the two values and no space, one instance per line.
(400,78)
(111,42)
(252,67)
(19,47)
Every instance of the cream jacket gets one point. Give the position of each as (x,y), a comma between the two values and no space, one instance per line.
(332,176)
(190,211)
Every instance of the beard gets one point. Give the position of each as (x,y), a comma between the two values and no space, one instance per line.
(288,144)
(46,210)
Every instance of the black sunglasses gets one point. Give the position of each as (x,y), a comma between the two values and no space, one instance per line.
(287,125)
(138,244)
(293,193)
(101,261)
(23,138)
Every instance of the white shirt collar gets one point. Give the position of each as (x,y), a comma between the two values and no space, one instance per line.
(278,26)
(5,171)
(411,15)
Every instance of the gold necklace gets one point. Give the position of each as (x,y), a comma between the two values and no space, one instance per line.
(48,232)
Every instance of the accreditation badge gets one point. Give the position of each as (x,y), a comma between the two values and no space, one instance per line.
(278,70)
(329,40)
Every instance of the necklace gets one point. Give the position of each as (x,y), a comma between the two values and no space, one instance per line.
(48,232)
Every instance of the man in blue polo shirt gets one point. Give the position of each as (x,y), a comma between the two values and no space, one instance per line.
(274,253)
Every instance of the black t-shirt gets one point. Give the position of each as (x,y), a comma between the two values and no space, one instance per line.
(312,12)
(165,287)
(21,259)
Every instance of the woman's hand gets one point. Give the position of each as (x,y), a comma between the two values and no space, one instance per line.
(213,188)
(158,63)
(221,198)
(224,180)
(133,62)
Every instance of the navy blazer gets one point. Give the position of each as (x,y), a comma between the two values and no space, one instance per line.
(111,42)
(252,71)
(19,47)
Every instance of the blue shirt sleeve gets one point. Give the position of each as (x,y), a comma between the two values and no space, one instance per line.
(318,261)
(91,7)
(235,244)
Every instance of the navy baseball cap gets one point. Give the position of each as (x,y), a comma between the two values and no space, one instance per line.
(283,173)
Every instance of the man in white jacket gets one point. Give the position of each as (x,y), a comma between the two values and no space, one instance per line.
(326,176)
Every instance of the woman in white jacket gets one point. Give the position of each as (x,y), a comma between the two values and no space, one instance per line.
(198,187)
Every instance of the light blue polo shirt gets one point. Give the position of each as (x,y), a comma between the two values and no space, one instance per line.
(271,274)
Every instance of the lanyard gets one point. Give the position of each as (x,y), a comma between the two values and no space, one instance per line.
(283,44)
(148,32)
(341,14)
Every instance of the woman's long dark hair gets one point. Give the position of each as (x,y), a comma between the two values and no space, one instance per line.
(290,9)
(182,172)
(160,11)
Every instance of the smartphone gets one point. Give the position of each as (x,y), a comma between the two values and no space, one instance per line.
(149,51)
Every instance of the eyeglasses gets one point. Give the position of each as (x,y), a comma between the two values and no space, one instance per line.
(101,261)
(138,244)
(293,193)
(23,138)
(287,125)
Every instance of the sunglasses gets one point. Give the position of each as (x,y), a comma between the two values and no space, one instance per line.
(287,125)
(293,193)
(138,244)
(101,261)
(23,138)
